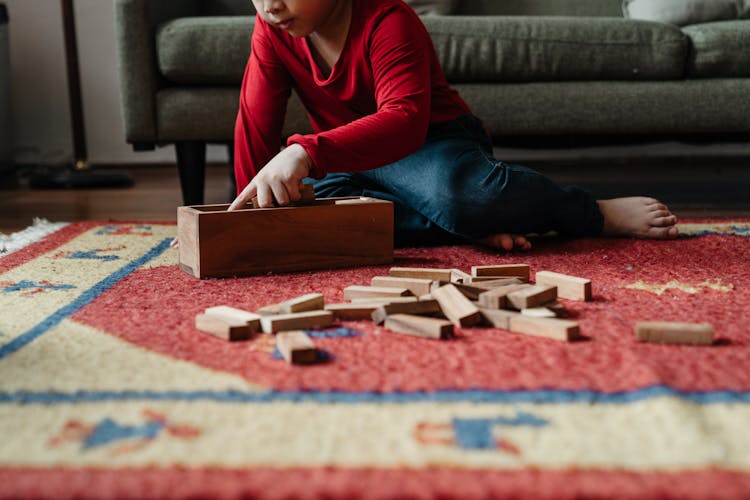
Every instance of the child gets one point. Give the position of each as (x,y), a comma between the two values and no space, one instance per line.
(387,125)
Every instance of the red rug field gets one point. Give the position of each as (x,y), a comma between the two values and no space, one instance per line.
(107,390)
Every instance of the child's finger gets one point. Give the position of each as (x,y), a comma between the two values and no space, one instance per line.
(293,188)
(265,196)
(244,197)
(280,194)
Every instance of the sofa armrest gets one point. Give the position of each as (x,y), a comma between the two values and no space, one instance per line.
(135,26)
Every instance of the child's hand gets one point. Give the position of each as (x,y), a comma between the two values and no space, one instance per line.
(279,180)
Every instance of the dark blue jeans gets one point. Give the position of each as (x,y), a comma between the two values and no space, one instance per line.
(453,190)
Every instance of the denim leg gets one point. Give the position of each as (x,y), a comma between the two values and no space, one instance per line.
(410,227)
(454,181)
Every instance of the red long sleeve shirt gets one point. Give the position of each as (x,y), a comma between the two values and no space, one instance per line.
(373,109)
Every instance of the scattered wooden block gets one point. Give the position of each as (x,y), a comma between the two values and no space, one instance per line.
(471,292)
(370,292)
(521,271)
(423,307)
(456,306)
(498,318)
(555,307)
(458,276)
(223,327)
(307,302)
(481,280)
(539,312)
(667,332)
(328,233)
(492,282)
(234,314)
(532,296)
(568,287)
(417,286)
(496,298)
(556,329)
(420,326)
(296,321)
(353,311)
(269,310)
(296,347)
(431,274)
(382,300)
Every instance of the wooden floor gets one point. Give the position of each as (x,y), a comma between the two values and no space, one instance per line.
(696,190)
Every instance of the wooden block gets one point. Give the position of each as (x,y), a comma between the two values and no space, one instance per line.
(532,296)
(369,292)
(296,347)
(471,292)
(424,273)
(234,314)
(308,302)
(496,298)
(568,287)
(329,233)
(458,276)
(420,326)
(423,307)
(417,286)
(493,281)
(539,312)
(269,310)
(308,193)
(667,332)
(382,300)
(353,311)
(521,271)
(296,321)
(223,327)
(456,306)
(555,307)
(556,329)
(498,318)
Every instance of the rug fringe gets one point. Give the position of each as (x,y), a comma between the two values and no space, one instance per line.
(40,228)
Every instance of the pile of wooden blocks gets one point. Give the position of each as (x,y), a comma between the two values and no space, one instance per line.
(430,303)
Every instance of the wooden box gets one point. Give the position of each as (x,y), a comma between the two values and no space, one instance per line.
(328,233)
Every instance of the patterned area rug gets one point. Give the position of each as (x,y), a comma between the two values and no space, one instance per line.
(108,390)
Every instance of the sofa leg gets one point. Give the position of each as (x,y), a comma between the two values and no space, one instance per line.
(191,163)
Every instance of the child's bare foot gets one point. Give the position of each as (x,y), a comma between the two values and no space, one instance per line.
(507,242)
(639,217)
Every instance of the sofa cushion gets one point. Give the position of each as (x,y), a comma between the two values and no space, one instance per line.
(514,48)
(608,8)
(204,50)
(719,49)
(521,48)
(681,12)
(433,7)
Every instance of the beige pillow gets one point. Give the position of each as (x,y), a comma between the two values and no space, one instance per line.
(682,12)
(433,7)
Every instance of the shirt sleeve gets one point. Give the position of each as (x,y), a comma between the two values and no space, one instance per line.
(398,49)
(265,90)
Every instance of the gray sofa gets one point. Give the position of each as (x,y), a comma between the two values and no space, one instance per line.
(535,71)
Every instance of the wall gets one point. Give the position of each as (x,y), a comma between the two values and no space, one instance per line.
(41,117)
